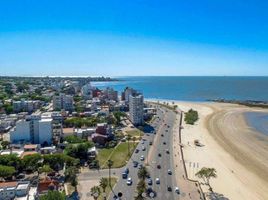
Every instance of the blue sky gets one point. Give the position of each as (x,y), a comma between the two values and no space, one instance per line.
(137,37)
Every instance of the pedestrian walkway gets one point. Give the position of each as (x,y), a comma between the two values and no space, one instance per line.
(189,189)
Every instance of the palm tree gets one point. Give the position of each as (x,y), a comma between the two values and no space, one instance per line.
(141,188)
(207,173)
(133,140)
(95,192)
(104,183)
(128,138)
(110,164)
(143,173)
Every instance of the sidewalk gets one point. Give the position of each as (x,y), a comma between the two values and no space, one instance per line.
(189,189)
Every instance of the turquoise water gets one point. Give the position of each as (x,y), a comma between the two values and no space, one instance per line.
(258,121)
(195,88)
(202,89)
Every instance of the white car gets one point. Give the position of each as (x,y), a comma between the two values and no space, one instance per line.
(157,181)
(129,181)
(143,148)
(177,190)
(142,158)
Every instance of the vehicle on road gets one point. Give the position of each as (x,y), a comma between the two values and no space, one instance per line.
(158,166)
(129,181)
(150,181)
(162,135)
(142,142)
(169,188)
(124,175)
(135,164)
(150,143)
(143,148)
(140,166)
(159,155)
(167,151)
(177,190)
(164,143)
(137,150)
(157,181)
(150,193)
(126,170)
(169,172)
(142,158)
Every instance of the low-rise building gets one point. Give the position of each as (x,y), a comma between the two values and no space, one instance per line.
(13,189)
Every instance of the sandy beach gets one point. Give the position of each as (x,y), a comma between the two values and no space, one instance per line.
(236,151)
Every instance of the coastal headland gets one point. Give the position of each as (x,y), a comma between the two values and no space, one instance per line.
(237,151)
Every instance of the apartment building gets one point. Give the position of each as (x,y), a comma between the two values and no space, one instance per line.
(136,109)
(63,101)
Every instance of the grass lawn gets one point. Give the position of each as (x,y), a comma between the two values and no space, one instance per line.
(135,133)
(119,154)
(103,155)
(108,189)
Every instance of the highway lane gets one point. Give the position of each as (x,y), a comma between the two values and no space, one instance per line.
(166,160)
(121,186)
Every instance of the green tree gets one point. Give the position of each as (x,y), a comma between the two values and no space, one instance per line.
(71,176)
(45,169)
(110,164)
(5,144)
(141,188)
(95,192)
(12,160)
(143,173)
(104,183)
(6,171)
(191,117)
(53,195)
(205,174)
(32,162)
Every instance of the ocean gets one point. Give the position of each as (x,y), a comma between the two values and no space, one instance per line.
(201,89)
(194,88)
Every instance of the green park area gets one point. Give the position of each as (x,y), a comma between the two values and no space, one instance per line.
(135,133)
(119,155)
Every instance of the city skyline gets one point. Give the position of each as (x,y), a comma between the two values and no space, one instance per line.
(133,38)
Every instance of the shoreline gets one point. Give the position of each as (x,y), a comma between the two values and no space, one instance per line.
(235,150)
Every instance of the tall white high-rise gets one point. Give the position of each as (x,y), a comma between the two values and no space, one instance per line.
(136,109)
(32,130)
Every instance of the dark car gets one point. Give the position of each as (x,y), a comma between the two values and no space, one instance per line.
(124,175)
(164,143)
(158,166)
(150,143)
(150,181)
(135,164)
(159,155)
(137,150)
(162,135)
(169,188)
(127,170)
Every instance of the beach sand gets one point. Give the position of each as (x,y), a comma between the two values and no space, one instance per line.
(238,153)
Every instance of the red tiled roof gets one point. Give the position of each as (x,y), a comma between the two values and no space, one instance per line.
(30,146)
(8,184)
(45,184)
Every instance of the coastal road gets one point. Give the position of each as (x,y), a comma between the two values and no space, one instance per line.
(163,125)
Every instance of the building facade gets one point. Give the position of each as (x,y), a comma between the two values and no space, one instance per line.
(32,130)
(136,109)
(63,101)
